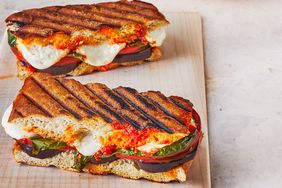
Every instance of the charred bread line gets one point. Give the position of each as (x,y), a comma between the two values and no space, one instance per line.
(71,18)
(54,97)
(84,68)
(120,105)
(120,167)
(150,110)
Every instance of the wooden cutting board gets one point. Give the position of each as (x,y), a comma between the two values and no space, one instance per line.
(180,72)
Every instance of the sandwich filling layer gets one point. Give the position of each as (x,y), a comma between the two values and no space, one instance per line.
(42,57)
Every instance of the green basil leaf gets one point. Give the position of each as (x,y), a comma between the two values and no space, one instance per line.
(40,144)
(75,55)
(80,164)
(177,146)
(138,43)
(11,39)
(123,151)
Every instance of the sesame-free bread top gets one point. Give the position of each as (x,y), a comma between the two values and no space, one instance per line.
(43,95)
(124,17)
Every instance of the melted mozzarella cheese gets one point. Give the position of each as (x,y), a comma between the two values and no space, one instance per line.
(151,147)
(99,55)
(156,37)
(40,57)
(91,143)
(13,130)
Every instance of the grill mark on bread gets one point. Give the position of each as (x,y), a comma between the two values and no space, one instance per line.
(90,100)
(25,107)
(102,91)
(139,97)
(72,98)
(43,26)
(42,100)
(38,106)
(27,31)
(62,96)
(72,18)
(139,4)
(130,15)
(59,17)
(149,14)
(168,107)
(182,103)
(20,17)
(87,12)
(114,100)
(60,102)
(133,98)
(15,114)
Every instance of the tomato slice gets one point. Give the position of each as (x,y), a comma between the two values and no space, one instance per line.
(67,60)
(131,49)
(25,141)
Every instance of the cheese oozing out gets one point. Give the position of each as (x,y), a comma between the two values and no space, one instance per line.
(40,57)
(92,143)
(13,130)
(87,146)
(156,37)
(99,55)
(43,57)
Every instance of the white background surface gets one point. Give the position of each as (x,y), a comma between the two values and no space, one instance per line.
(243,49)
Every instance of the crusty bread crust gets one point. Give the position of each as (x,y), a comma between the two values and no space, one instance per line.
(85,68)
(23,72)
(124,18)
(121,167)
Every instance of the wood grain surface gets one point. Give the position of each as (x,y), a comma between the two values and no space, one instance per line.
(180,72)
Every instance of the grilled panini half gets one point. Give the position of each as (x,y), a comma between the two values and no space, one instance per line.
(79,39)
(60,122)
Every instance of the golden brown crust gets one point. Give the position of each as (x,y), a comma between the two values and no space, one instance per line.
(68,19)
(45,96)
(22,71)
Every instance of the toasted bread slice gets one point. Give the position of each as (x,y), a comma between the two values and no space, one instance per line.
(45,96)
(122,167)
(122,16)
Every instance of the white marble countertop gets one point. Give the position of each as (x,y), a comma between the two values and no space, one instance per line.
(243,57)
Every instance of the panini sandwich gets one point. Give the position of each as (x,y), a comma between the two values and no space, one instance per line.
(92,128)
(80,39)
